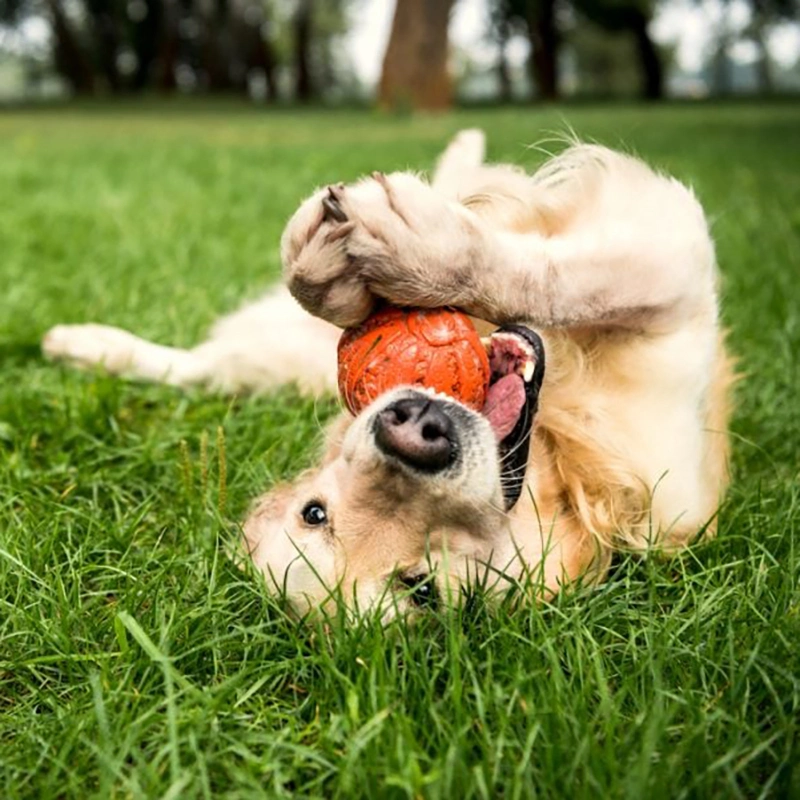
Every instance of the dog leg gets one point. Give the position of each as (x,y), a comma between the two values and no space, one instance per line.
(261,346)
(629,248)
(463,156)
(121,353)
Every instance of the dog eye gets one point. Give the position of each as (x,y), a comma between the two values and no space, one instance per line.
(314,513)
(422,590)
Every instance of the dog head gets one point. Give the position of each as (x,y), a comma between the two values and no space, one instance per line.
(410,501)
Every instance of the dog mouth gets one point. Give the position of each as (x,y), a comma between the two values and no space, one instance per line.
(516,360)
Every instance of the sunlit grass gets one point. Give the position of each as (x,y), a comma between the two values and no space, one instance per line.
(136,661)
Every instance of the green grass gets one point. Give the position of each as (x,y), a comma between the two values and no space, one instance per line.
(136,661)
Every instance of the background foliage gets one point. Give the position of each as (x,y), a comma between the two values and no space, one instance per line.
(301,51)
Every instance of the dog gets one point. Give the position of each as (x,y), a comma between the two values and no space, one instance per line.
(597,264)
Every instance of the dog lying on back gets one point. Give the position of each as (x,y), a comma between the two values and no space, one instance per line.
(594,263)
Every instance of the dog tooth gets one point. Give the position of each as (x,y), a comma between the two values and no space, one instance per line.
(527,371)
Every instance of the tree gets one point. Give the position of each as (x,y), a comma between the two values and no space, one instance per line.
(104,19)
(764,14)
(310,36)
(302,55)
(69,58)
(605,62)
(500,33)
(633,16)
(149,30)
(539,21)
(540,18)
(415,64)
(130,45)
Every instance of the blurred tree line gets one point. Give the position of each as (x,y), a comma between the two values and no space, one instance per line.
(291,50)
(541,23)
(127,46)
(609,44)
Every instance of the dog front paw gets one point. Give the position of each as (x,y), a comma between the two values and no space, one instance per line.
(389,237)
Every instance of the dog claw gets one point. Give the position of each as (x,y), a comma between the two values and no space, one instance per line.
(333,210)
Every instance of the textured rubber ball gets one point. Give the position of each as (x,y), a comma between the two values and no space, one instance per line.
(435,348)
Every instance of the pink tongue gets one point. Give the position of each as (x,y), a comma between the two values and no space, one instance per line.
(504,404)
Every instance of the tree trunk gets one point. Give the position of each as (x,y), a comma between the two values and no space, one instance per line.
(415,65)
(505,94)
(721,68)
(69,60)
(264,59)
(147,35)
(106,40)
(763,68)
(649,61)
(304,89)
(721,82)
(217,49)
(543,36)
(167,59)
(251,52)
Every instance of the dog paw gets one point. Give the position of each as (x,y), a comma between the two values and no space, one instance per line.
(388,236)
(90,345)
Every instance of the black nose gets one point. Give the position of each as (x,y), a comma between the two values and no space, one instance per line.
(417,431)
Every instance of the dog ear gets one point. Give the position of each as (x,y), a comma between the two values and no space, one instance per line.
(334,437)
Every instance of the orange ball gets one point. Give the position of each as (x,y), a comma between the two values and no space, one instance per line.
(436,348)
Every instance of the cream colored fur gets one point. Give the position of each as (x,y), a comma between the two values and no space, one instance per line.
(611,262)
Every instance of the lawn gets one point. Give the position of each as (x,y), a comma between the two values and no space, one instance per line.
(137,662)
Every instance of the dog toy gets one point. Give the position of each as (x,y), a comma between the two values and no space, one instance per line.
(435,348)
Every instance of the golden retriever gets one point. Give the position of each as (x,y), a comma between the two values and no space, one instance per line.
(596,264)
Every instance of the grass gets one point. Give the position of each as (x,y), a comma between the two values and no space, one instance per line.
(136,661)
